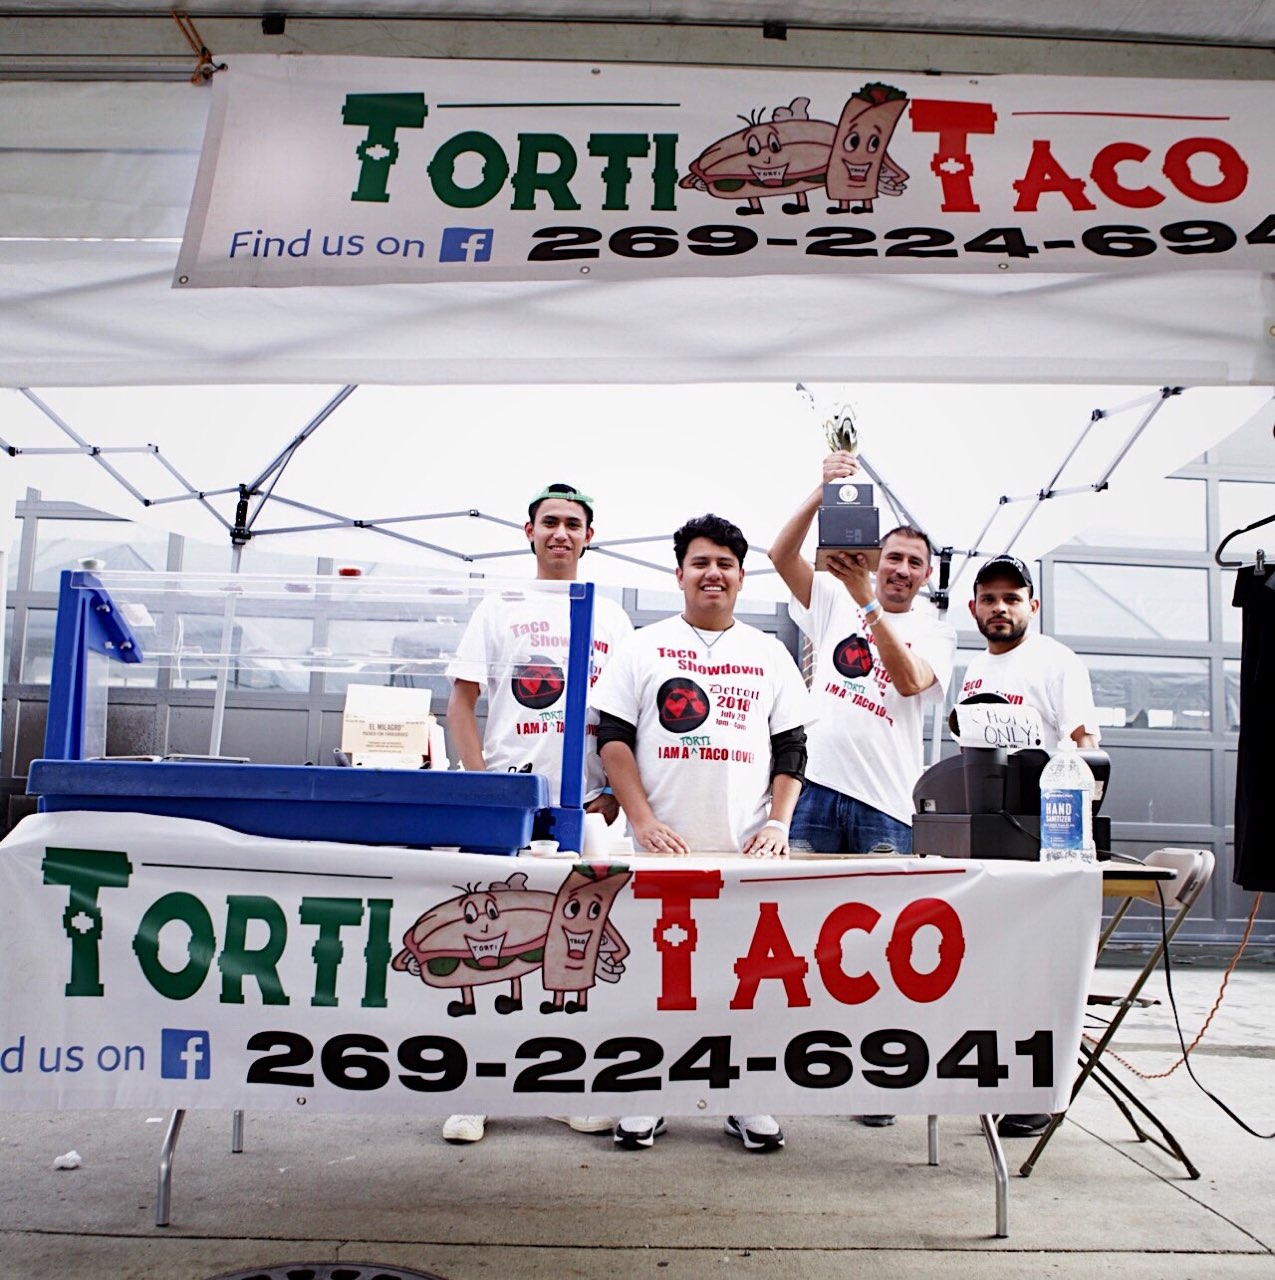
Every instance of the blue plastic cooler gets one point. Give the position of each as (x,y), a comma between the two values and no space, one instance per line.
(482,812)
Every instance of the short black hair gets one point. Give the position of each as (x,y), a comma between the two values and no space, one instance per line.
(910,531)
(716,530)
(569,492)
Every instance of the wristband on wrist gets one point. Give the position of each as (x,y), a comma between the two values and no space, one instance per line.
(871,609)
(776,822)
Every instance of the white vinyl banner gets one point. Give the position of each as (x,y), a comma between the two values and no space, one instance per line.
(361,170)
(155,962)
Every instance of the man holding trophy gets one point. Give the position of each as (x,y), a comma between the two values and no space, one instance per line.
(879,663)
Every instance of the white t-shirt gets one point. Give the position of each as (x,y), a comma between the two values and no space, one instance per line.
(516,646)
(867,740)
(1042,673)
(704,722)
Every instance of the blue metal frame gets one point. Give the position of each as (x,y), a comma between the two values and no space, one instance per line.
(566,819)
(88,622)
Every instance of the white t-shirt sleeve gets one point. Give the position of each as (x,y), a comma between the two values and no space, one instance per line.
(470,662)
(792,706)
(1072,696)
(615,690)
(813,621)
(938,647)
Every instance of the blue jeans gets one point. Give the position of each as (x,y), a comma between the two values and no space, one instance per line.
(827,821)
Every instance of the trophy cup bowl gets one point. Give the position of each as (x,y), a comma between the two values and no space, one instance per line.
(841,432)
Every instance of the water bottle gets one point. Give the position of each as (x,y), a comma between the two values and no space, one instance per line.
(1066,807)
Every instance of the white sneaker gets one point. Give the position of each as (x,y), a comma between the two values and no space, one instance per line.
(638,1131)
(757,1133)
(464,1128)
(587,1124)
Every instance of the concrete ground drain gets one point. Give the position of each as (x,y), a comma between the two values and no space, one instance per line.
(328,1271)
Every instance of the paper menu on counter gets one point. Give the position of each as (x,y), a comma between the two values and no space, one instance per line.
(386,726)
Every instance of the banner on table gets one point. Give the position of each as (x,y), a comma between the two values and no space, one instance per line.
(360,170)
(163,962)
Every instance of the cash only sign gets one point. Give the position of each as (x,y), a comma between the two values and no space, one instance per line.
(351,170)
(166,962)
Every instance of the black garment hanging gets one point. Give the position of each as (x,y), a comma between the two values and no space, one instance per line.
(1255,764)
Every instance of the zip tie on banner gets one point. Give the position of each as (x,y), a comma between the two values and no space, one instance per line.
(205,68)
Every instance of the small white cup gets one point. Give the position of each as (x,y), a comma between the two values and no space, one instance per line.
(597,836)
(543,848)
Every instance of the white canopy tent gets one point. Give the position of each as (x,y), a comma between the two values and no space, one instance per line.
(96,167)
(403,458)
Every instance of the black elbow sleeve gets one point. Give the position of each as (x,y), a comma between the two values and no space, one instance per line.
(788,753)
(613,729)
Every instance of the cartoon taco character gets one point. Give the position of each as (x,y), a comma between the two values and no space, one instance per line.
(581,945)
(859,167)
(787,155)
(487,935)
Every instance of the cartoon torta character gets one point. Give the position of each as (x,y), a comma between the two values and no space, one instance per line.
(581,945)
(786,155)
(859,167)
(487,935)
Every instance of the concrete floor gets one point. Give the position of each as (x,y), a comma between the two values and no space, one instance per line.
(538,1200)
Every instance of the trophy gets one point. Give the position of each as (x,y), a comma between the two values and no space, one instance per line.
(847,519)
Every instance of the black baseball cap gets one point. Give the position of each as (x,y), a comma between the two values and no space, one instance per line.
(1006,567)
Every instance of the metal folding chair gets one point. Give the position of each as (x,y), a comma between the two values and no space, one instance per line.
(1193,869)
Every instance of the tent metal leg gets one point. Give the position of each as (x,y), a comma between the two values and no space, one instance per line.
(236,1133)
(164,1190)
(932,1136)
(1002,1175)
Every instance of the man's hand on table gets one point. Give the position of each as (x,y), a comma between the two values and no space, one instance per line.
(770,842)
(658,837)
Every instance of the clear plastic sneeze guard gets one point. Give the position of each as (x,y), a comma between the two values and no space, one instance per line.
(378,630)
(236,634)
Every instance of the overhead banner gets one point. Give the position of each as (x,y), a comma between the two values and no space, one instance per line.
(154,962)
(329,171)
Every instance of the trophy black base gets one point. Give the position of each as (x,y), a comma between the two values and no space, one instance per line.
(848,522)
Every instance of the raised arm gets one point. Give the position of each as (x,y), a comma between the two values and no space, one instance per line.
(785,552)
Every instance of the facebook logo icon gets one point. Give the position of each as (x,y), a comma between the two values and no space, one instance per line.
(465,244)
(184,1055)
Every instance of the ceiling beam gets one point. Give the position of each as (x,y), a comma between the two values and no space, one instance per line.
(100,46)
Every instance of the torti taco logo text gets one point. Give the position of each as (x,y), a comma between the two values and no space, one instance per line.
(782,154)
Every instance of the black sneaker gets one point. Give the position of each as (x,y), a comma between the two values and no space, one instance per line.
(1022,1126)
(634,1132)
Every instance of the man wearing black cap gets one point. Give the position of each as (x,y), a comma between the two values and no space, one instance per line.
(1025,667)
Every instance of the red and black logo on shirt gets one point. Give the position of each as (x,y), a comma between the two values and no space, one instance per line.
(538,683)
(853,657)
(682,705)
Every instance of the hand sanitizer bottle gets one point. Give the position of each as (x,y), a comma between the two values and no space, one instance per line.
(1066,807)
